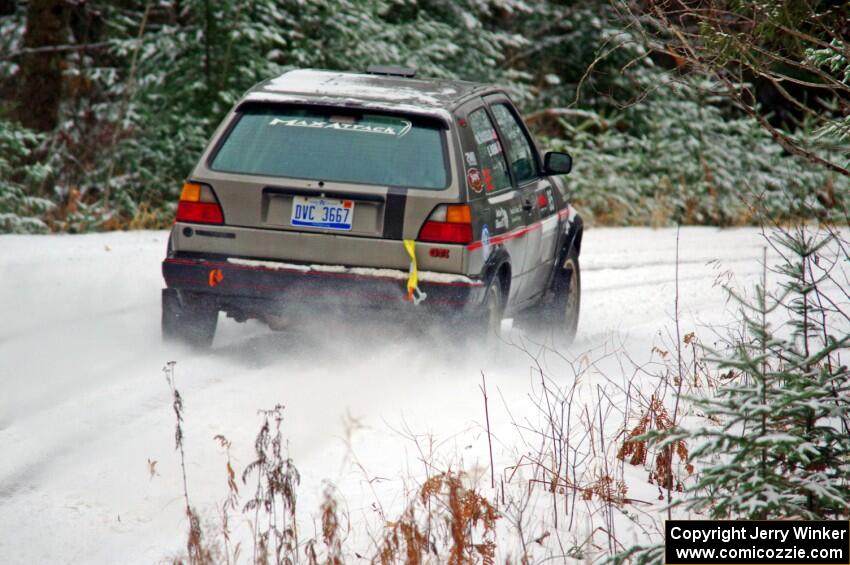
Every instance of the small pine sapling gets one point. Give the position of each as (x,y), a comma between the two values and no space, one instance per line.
(783,448)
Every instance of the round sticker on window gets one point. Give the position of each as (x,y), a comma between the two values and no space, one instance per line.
(473,179)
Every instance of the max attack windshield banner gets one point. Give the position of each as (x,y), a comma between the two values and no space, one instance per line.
(375,127)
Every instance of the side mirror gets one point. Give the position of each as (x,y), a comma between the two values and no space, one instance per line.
(557,163)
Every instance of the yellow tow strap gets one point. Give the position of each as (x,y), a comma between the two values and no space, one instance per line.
(413,293)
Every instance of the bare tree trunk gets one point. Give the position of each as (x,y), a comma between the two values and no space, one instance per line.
(7,7)
(40,75)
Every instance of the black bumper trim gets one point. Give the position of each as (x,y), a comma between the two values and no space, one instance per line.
(230,281)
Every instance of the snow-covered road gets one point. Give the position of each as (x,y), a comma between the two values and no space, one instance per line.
(85,410)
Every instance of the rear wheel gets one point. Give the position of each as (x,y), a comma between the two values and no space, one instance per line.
(189,318)
(561,312)
(481,327)
(494,309)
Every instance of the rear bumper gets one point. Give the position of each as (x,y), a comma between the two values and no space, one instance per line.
(234,283)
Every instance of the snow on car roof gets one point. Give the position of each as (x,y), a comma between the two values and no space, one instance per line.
(435,94)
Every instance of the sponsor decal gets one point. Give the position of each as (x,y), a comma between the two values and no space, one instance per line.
(502,221)
(487,176)
(471,159)
(485,241)
(571,215)
(396,131)
(550,200)
(484,136)
(439,253)
(494,148)
(473,179)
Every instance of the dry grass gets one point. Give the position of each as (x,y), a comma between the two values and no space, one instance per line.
(564,497)
(445,521)
(444,514)
(634,448)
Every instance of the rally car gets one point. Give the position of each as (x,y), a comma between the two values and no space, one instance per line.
(378,190)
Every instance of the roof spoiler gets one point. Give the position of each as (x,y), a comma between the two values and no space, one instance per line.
(391,70)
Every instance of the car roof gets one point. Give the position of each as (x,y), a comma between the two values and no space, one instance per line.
(430,96)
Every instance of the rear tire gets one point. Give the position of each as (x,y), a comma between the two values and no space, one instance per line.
(481,327)
(561,311)
(494,309)
(188,318)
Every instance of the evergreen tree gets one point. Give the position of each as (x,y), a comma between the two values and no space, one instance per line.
(20,211)
(777,439)
(683,158)
(783,447)
(143,86)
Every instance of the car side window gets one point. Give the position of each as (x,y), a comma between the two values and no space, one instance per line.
(520,154)
(493,173)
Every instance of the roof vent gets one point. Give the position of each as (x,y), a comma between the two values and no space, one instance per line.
(392,71)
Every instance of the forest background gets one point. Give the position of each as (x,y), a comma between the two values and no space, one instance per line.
(703,112)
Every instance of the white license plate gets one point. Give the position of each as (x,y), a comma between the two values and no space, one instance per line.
(326,213)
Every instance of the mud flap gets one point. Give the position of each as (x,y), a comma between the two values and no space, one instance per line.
(188,318)
(569,239)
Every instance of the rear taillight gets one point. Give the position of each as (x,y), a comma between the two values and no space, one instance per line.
(448,223)
(198,205)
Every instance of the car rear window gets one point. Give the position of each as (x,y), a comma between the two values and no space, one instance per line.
(321,144)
